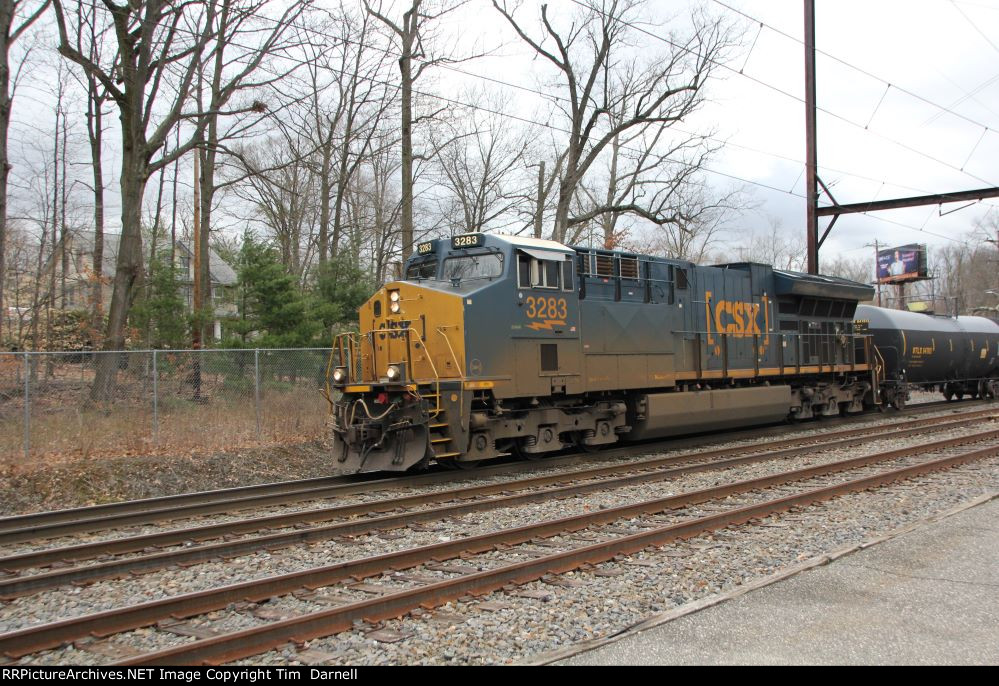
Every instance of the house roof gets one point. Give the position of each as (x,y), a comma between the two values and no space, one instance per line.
(83,242)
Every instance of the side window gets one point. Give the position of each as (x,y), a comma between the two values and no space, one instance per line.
(681,279)
(567,269)
(523,271)
(535,273)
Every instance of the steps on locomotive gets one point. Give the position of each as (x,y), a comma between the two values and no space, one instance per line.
(440,434)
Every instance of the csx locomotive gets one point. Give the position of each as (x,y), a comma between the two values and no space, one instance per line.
(495,344)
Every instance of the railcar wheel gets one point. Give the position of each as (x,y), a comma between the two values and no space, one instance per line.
(578,443)
(898,402)
(948,395)
(459,465)
(517,450)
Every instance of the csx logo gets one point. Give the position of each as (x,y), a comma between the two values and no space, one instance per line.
(400,329)
(735,318)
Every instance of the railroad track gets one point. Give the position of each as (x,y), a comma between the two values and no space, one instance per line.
(494,560)
(114,516)
(160,550)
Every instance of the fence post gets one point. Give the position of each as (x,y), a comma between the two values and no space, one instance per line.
(256,386)
(156,405)
(27,405)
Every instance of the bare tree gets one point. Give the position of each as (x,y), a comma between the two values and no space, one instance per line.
(602,76)
(416,39)
(154,40)
(242,40)
(482,164)
(160,46)
(348,98)
(277,182)
(16,17)
(772,246)
(702,222)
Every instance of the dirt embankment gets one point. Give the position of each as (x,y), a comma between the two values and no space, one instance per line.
(93,481)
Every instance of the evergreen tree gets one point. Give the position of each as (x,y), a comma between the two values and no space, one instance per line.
(159,313)
(272,311)
(340,288)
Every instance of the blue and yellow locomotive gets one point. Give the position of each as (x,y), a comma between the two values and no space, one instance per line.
(496,344)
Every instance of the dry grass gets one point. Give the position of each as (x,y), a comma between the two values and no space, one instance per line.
(64,428)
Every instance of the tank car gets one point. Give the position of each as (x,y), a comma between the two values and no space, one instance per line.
(958,356)
(493,344)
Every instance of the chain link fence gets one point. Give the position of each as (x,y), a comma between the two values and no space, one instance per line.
(81,404)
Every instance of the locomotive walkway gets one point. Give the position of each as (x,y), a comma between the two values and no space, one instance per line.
(928,596)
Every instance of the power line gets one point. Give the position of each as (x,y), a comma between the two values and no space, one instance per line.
(861,70)
(548,125)
(791,96)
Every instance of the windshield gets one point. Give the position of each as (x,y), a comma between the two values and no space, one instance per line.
(424,269)
(485,266)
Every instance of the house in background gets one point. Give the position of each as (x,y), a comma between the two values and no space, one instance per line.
(79,276)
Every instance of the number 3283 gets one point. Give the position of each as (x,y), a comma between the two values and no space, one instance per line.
(547,308)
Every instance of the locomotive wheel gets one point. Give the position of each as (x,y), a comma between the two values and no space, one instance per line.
(578,442)
(517,450)
(460,465)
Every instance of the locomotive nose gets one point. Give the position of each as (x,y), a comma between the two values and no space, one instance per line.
(391,374)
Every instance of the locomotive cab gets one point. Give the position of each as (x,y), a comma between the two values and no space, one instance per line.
(428,353)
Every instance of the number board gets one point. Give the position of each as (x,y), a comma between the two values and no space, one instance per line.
(424,248)
(468,240)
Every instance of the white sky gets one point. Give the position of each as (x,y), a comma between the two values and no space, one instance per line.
(945,51)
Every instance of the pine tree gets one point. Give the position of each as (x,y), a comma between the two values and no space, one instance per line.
(159,313)
(272,311)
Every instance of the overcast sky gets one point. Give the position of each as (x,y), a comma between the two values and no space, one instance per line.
(935,129)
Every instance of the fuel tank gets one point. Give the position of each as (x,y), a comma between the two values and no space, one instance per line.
(924,349)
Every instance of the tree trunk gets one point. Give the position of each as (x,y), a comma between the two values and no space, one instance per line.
(540,211)
(405,65)
(128,271)
(6,18)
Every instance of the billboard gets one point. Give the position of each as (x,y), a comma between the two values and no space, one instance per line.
(902,264)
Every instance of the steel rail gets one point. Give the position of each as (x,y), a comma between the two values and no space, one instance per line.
(55,523)
(33,639)
(24,585)
(249,642)
(141,542)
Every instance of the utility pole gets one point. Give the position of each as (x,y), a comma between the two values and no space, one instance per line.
(196,285)
(877,280)
(811,157)
(814,182)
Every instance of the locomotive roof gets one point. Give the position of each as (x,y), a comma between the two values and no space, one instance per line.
(820,286)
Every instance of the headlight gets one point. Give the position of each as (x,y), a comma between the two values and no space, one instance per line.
(394,373)
(394,296)
(394,307)
(339,375)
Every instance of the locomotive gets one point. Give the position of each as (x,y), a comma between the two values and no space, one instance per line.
(492,345)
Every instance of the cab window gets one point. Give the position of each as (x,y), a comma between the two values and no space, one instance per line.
(480,266)
(424,269)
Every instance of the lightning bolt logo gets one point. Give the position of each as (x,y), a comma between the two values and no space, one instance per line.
(546,325)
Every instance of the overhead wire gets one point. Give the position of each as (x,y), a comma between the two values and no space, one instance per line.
(548,125)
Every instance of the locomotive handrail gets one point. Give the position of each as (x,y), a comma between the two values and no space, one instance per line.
(834,351)
(353,350)
(461,375)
